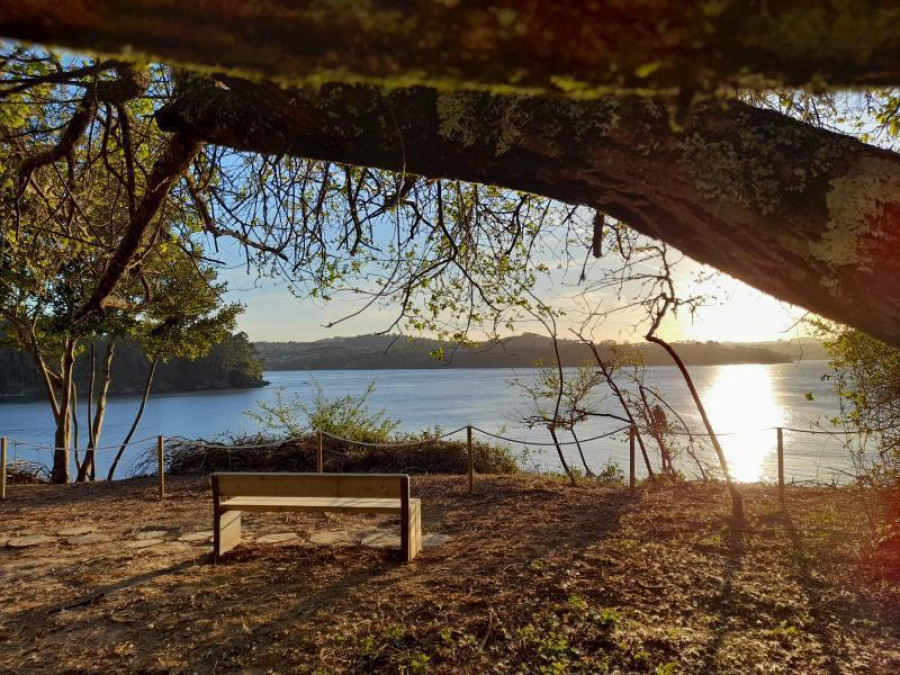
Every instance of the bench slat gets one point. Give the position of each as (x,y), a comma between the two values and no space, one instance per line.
(314,504)
(310,485)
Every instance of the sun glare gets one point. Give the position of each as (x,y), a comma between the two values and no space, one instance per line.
(745,315)
(740,402)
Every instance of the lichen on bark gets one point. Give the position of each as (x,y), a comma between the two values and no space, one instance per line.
(857,204)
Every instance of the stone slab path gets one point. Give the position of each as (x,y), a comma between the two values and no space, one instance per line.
(165,541)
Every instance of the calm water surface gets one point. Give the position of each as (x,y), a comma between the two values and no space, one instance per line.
(741,399)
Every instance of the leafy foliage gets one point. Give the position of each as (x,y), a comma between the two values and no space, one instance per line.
(558,399)
(343,416)
(866,377)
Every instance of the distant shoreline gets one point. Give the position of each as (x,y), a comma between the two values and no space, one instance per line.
(272,369)
(38,396)
(388,352)
(135,393)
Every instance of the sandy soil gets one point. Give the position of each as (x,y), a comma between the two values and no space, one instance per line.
(531,576)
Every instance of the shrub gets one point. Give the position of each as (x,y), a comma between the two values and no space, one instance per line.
(444,456)
(24,472)
(344,416)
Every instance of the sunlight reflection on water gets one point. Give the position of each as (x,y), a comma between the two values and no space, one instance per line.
(740,401)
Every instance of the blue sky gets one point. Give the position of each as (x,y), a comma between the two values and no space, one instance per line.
(273,313)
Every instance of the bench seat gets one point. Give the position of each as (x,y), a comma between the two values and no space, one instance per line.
(315,504)
(234,493)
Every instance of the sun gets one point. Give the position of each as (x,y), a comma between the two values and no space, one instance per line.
(742,314)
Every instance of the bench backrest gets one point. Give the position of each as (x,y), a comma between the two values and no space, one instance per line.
(360,485)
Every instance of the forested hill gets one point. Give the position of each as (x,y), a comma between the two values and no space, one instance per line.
(231,364)
(386,351)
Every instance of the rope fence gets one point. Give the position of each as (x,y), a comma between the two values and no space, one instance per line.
(550,445)
(117,446)
(320,435)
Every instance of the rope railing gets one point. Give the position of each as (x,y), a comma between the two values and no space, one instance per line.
(313,432)
(550,445)
(424,441)
(321,434)
(405,444)
(52,448)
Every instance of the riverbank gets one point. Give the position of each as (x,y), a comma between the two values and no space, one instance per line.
(740,399)
(231,364)
(393,352)
(37,396)
(527,575)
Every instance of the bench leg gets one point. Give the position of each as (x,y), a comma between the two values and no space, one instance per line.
(416,528)
(227,532)
(411,534)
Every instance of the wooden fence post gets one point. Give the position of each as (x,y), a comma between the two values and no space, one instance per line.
(3,469)
(632,434)
(161,465)
(471,458)
(780,462)
(320,454)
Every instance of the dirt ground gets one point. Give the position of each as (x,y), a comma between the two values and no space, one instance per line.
(529,575)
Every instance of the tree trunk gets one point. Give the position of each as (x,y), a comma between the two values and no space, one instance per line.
(587,469)
(737,501)
(148,385)
(92,439)
(92,442)
(567,46)
(562,457)
(96,424)
(76,431)
(806,215)
(63,437)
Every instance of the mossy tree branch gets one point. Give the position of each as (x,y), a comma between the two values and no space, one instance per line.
(809,216)
(521,46)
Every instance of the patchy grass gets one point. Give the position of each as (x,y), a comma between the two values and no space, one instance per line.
(537,577)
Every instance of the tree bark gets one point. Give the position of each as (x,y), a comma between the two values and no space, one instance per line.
(514,45)
(806,215)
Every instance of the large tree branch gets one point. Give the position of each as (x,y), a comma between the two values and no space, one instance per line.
(130,83)
(809,216)
(167,170)
(9,86)
(513,45)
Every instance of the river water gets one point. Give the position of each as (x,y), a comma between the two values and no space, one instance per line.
(744,403)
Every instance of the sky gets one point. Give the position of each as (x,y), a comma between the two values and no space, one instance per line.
(738,313)
(741,314)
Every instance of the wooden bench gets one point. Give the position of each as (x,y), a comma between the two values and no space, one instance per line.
(234,493)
